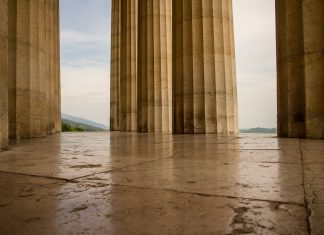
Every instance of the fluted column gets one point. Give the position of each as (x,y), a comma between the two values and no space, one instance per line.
(30,60)
(154,83)
(23,117)
(204,79)
(115,64)
(52,64)
(36,78)
(12,55)
(3,74)
(300,64)
(127,96)
(56,65)
(48,68)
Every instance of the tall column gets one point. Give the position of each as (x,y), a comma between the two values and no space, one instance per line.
(41,102)
(115,65)
(127,96)
(30,66)
(56,65)
(23,65)
(204,79)
(300,64)
(52,66)
(12,64)
(48,85)
(36,88)
(26,69)
(58,60)
(154,83)
(3,74)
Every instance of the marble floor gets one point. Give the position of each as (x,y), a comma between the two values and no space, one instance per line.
(128,183)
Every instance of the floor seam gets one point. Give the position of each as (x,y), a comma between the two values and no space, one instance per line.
(120,168)
(198,194)
(37,176)
(306,204)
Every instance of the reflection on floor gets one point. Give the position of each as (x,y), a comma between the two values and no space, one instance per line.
(128,183)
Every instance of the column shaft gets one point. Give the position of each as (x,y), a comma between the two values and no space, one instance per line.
(48,68)
(204,79)
(3,74)
(53,65)
(115,64)
(12,64)
(128,109)
(154,84)
(56,65)
(37,94)
(314,67)
(300,64)
(33,68)
(23,65)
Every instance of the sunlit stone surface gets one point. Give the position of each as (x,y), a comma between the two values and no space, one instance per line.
(128,183)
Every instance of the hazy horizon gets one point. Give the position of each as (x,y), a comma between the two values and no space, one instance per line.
(85,60)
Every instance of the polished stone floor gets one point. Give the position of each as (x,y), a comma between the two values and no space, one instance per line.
(128,183)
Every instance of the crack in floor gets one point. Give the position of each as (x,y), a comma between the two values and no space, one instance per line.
(306,203)
(119,168)
(37,176)
(72,180)
(197,194)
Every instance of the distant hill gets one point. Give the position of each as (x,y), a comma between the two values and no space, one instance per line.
(259,130)
(85,122)
(71,126)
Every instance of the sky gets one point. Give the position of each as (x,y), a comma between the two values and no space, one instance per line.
(85,60)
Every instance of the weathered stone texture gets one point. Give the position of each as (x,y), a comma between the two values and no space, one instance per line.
(3,74)
(128,61)
(115,64)
(154,85)
(194,94)
(204,80)
(300,64)
(30,69)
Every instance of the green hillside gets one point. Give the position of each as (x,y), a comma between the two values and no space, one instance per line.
(259,130)
(71,126)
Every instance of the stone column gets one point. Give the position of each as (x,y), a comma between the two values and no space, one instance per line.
(115,65)
(53,119)
(300,64)
(32,68)
(59,67)
(36,87)
(49,84)
(3,74)
(56,65)
(53,65)
(26,69)
(154,83)
(12,55)
(41,103)
(204,79)
(127,96)
(23,65)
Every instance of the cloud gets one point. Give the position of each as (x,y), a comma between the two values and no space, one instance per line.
(85,92)
(255,41)
(85,56)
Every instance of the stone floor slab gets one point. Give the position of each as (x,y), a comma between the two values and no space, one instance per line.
(43,206)
(129,183)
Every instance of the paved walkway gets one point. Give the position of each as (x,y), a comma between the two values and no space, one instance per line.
(128,183)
